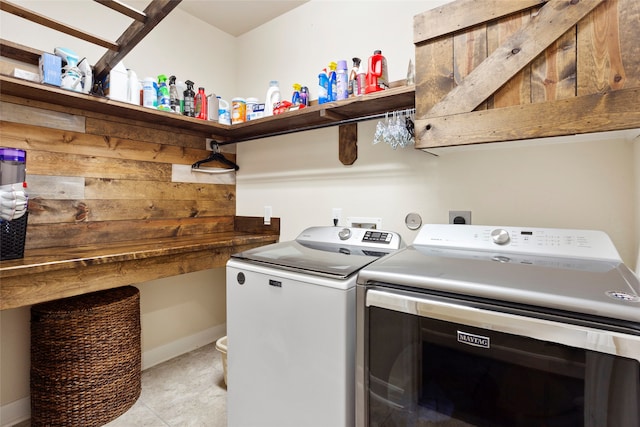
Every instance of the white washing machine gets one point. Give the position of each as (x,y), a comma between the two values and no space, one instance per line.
(291,327)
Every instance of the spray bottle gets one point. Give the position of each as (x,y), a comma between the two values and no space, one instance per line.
(361,80)
(174,98)
(164,100)
(71,73)
(181,87)
(333,85)
(295,98)
(189,95)
(353,77)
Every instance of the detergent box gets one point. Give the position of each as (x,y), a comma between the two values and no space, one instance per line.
(50,69)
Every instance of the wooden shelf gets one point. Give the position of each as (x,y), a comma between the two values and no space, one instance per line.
(333,113)
(52,273)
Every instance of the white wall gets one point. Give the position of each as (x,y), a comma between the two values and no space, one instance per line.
(587,184)
(295,47)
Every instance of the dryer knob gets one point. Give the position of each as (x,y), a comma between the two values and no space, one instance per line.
(344,234)
(500,236)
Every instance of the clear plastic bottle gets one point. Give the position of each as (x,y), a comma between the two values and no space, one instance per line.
(342,81)
(200,104)
(273,96)
(189,95)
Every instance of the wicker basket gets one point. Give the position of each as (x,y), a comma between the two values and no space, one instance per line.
(85,358)
(12,236)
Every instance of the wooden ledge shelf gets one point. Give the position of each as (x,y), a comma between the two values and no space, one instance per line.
(53,273)
(398,97)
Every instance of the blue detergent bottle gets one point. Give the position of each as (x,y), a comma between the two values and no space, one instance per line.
(333,84)
(323,88)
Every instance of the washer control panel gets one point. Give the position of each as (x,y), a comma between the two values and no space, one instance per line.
(377,236)
(591,244)
(352,236)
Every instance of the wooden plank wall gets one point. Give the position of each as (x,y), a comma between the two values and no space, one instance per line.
(99,179)
(600,54)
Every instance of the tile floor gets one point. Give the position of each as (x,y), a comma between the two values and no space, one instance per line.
(187,391)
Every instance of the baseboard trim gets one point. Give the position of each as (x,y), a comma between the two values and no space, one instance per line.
(181,346)
(20,410)
(15,412)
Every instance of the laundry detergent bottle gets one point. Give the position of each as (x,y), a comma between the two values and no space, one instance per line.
(273,97)
(323,87)
(200,104)
(377,75)
(333,84)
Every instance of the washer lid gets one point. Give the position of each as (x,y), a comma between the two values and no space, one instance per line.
(337,261)
(586,286)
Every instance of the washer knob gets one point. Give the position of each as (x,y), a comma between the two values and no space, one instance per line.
(500,236)
(344,234)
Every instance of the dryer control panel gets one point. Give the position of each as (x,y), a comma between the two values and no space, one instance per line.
(588,244)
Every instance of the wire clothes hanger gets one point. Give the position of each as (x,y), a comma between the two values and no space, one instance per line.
(215,156)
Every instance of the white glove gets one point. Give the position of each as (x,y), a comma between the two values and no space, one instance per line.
(13,201)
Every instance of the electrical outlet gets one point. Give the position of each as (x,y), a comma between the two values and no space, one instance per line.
(209,143)
(460,217)
(268,211)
